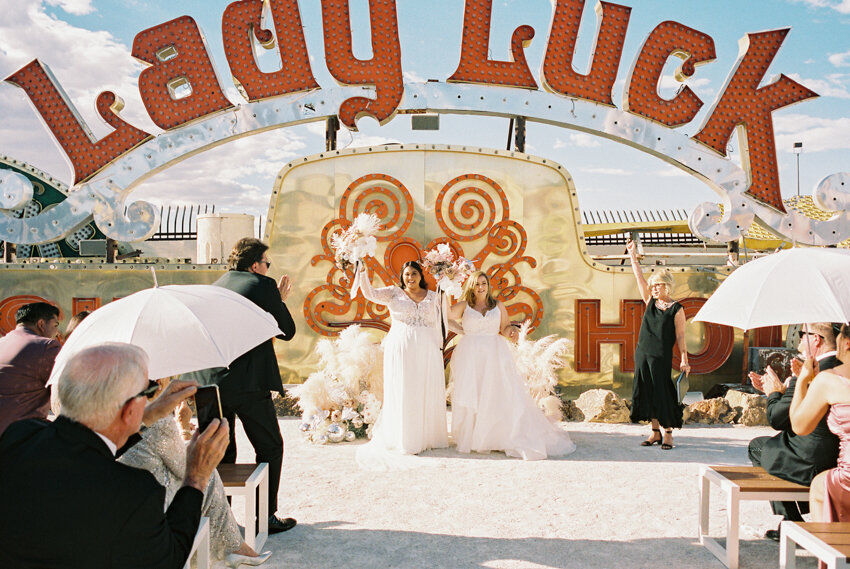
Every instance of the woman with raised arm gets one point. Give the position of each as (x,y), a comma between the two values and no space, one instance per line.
(653,393)
(491,406)
(827,393)
(413,414)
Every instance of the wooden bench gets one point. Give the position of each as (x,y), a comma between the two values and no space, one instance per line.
(252,482)
(829,542)
(740,483)
(201,546)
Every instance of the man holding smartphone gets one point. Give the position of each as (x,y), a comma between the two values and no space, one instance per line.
(245,387)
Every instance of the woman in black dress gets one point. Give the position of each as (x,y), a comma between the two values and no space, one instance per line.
(654,395)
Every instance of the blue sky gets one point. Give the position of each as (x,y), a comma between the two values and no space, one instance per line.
(86,43)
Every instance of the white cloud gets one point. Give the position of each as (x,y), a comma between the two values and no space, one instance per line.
(584,140)
(840,59)
(671,172)
(608,171)
(559,144)
(349,139)
(701,85)
(816,133)
(236,177)
(840,6)
(84,62)
(412,77)
(833,85)
(75,7)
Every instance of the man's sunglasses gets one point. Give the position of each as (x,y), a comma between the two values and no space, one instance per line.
(268,263)
(802,333)
(147,391)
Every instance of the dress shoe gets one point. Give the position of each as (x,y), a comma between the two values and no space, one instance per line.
(235,559)
(772,534)
(277,525)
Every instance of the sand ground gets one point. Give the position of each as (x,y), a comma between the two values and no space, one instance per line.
(611,504)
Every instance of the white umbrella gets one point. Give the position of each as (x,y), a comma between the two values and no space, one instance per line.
(792,286)
(182,328)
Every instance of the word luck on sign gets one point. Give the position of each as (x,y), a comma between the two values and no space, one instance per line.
(180,83)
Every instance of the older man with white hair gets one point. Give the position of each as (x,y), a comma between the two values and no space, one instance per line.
(66,502)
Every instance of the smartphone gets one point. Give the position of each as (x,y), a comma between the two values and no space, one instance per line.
(207,405)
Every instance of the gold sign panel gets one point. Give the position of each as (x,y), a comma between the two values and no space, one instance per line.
(515,216)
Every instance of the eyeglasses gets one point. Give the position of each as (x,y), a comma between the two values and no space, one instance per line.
(147,391)
(268,263)
(802,333)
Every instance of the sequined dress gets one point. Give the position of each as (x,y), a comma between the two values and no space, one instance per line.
(162,452)
(491,406)
(413,414)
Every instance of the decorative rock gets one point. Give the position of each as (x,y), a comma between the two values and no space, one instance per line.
(750,410)
(602,406)
(572,412)
(709,411)
(286,406)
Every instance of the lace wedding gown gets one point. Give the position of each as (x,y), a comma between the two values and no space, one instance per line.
(491,407)
(413,414)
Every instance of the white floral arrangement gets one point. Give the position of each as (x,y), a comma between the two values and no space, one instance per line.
(357,241)
(450,273)
(341,402)
(537,362)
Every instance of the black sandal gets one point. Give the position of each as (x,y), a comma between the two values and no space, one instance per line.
(666,446)
(649,442)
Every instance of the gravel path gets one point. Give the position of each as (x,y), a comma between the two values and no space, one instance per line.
(611,504)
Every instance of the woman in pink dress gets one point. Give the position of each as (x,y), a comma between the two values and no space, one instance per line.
(815,396)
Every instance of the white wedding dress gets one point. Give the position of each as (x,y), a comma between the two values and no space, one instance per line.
(491,406)
(413,414)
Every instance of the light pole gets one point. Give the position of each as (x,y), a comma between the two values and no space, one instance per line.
(798,149)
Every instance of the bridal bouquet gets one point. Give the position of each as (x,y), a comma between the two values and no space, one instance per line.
(450,273)
(356,242)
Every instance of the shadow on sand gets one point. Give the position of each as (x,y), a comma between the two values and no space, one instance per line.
(330,544)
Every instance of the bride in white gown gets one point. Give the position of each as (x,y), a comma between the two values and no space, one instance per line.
(413,414)
(491,407)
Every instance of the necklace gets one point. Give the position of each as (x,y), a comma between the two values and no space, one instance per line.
(663,304)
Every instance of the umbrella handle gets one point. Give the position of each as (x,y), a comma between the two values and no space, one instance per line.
(155,282)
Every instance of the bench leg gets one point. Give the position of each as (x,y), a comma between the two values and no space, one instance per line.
(204,550)
(263,490)
(732,529)
(250,520)
(787,552)
(704,495)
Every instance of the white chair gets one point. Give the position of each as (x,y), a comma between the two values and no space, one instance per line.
(201,546)
(250,480)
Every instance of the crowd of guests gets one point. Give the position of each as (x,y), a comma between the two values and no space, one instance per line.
(115,454)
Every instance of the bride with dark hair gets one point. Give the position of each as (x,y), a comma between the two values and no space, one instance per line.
(413,415)
(491,406)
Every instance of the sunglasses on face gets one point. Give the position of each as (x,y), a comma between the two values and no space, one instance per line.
(147,391)
(268,263)
(802,333)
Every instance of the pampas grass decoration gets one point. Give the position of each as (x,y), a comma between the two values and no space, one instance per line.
(348,389)
(537,361)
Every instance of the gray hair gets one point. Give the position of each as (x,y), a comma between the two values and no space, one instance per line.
(664,276)
(98,380)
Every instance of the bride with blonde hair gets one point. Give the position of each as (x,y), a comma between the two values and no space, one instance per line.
(491,406)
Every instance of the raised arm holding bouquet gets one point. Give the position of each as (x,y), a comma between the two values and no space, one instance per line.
(354,243)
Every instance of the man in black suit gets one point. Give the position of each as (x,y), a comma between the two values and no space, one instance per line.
(67,503)
(786,455)
(245,386)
